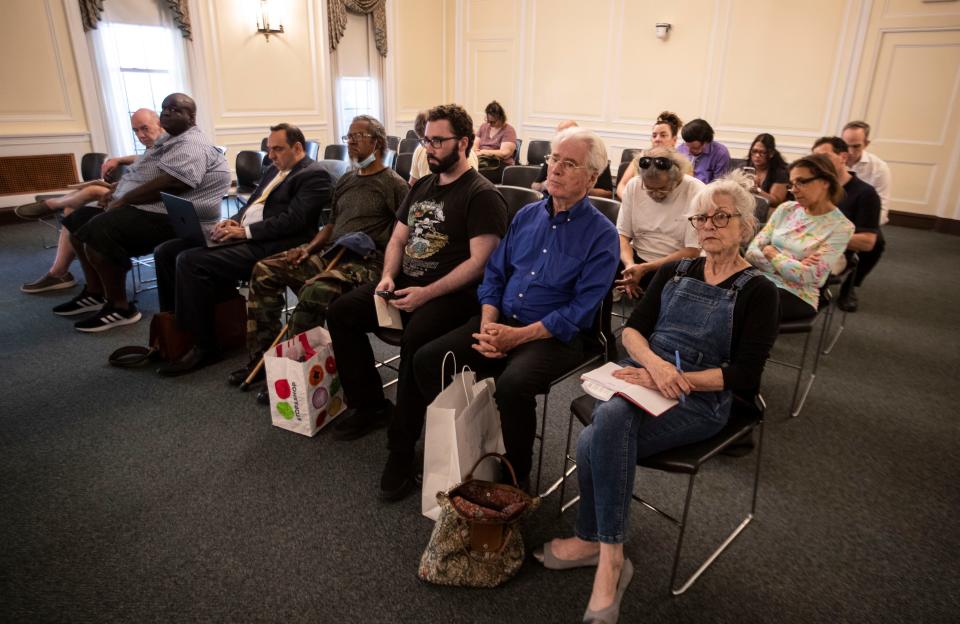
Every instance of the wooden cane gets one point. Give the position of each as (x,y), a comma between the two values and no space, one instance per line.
(283,330)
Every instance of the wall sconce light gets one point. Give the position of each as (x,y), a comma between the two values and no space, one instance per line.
(663,30)
(264,10)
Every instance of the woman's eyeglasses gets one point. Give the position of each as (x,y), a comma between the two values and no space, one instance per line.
(660,162)
(800,182)
(720,220)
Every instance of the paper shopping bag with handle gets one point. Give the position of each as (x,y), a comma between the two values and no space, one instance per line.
(462,424)
(305,391)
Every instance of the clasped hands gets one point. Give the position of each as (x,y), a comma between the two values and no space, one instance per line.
(495,340)
(228,229)
(663,376)
(632,275)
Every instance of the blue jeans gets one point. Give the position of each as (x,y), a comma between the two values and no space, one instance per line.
(621,433)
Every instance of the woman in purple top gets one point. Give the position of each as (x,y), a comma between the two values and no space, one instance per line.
(496,143)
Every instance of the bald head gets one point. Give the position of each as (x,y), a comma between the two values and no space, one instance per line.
(178,113)
(146,125)
(566,123)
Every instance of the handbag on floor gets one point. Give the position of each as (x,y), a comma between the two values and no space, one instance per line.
(462,423)
(476,541)
(168,343)
(305,391)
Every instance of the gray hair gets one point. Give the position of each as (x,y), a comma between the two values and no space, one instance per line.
(597,150)
(734,185)
(675,172)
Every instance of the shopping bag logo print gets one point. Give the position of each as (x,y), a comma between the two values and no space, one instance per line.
(305,390)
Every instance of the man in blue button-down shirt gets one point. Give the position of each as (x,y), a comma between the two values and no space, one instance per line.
(541,289)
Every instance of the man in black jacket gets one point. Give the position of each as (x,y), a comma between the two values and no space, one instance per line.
(282,213)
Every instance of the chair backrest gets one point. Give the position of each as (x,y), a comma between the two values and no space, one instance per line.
(90,165)
(517,197)
(336,151)
(249,166)
(520,175)
(393,142)
(736,163)
(263,144)
(312,149)
(622,169)
(629,154)
(335,168)
(610,208)
(402,165)
(408,145)
(762,209)
(389,158)
(411,134)
(537,151)
(516,152)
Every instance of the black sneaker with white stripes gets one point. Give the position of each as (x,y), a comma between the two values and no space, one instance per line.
(84,303)
(108,318)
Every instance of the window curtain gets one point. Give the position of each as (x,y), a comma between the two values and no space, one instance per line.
(91,11)
(363,58)
(106,49)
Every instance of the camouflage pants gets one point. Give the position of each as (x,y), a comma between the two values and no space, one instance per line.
(270,279)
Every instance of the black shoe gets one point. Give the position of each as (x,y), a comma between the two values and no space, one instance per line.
(397,480)
(194,359)
(357,423)
(848,301)
(237,377)
(84,303)
(107,318)
(263,397)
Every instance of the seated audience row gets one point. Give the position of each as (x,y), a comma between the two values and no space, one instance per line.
(603,187)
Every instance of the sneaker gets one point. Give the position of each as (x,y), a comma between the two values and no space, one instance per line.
(34,210)
(50,282)
(397,480)
(107,318)
(81,304)
(358,423)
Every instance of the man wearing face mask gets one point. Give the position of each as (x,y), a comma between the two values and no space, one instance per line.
(446,228)
(653,222)
(283,211)
(365,200)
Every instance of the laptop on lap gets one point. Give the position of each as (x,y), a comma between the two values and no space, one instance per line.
(186,224)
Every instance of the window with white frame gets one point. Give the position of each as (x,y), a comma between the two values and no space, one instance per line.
(358,96)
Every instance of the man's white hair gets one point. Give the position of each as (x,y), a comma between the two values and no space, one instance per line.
(597,150)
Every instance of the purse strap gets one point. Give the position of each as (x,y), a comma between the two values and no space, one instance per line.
(503,460)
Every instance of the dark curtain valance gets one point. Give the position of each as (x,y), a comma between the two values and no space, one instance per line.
(90,11)
(337,18)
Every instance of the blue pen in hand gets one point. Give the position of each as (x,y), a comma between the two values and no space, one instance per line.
(676,353)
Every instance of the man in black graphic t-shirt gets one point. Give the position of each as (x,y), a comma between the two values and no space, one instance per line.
(447,227)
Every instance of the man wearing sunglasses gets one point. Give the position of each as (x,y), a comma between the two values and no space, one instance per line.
(446,228)
(652,221)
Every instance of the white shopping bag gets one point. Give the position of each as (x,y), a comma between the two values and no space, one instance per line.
(462,424)
(305,391)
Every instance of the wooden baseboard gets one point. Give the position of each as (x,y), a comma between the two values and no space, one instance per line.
(925,222)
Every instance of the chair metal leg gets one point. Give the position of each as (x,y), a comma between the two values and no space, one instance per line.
(543,429)
(836,336)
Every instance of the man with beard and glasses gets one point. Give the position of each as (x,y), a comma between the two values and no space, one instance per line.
(447,227)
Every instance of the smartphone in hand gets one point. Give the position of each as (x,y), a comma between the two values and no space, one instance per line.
(387,294)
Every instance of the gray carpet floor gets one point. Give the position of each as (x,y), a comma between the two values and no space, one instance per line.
(125,497)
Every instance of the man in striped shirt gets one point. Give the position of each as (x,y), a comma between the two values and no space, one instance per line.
(184,163)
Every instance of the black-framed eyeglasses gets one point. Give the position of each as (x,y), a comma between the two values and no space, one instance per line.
(356,137)
(436,142)
(561,164)
(801,182)
(660,162)
(720,219)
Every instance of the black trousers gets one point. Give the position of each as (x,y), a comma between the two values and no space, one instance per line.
(869,259)
(191,280)
(349,319)
(793,308)
(526,372)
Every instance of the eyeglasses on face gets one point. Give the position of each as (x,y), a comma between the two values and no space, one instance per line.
(562,164)
(660,162)
(720,219)
(759,152)
(435,142)
(356,137)
(800,182)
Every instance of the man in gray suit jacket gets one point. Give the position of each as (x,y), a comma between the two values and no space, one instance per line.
(282,213)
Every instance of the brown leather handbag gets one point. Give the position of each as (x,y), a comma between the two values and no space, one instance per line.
(168,343)
(476,541)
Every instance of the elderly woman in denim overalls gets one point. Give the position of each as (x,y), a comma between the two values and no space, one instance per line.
(721,318)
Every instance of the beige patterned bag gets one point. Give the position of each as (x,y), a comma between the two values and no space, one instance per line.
(476,541)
